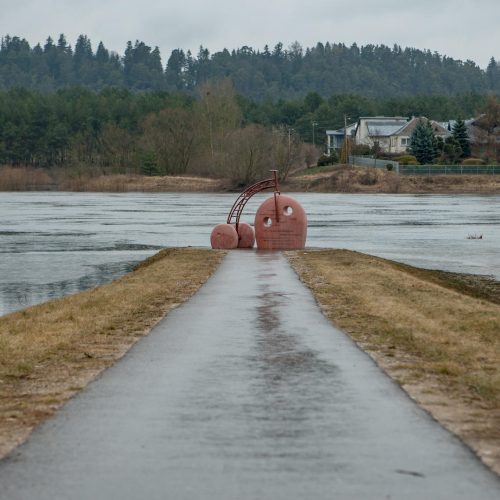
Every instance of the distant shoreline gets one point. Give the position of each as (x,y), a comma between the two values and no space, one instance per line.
(341,179)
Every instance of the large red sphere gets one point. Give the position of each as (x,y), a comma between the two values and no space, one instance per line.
(246,235)
(224,237)
(280,224)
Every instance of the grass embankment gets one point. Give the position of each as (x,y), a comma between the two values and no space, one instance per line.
(436,333)
(348,179)
(50,351)
(33,179)
(329,179)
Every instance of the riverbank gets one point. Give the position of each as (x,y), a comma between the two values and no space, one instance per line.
(51,351)
(348,179)
(31,179)
(338,179)
(437,334)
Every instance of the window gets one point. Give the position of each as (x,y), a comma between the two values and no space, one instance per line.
(404,141)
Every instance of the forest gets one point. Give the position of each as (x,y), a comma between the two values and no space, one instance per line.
(73,108)
(267,74)
(175,133)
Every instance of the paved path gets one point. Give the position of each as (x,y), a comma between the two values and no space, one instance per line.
(245,392)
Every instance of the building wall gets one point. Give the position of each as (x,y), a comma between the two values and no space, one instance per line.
(362,136)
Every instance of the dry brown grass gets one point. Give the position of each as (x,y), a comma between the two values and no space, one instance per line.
(348,179)
(87,179)
(50,351)
(340,179)
(437,333)
(131,183)
(24,179)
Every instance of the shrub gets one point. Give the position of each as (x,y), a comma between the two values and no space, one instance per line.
(406,159)
(389,167)
(324,160)
(360,149)
(473,161)
(368,177)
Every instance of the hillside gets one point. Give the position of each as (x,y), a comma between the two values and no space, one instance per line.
(260,74)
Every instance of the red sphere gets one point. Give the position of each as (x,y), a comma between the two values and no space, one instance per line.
(246,235)
(224,237)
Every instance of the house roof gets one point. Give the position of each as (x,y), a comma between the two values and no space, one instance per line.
(451,123)
(383,126)
(408,128)
(340,131)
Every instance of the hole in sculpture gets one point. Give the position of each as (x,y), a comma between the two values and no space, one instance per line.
(288,211)
(267,221)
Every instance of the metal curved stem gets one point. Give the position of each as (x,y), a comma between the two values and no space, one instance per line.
(242,200)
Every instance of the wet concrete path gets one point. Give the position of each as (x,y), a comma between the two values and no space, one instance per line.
(244,392)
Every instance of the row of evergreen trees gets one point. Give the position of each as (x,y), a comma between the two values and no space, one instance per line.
(427,147)
(77,125)
(327,69)
(485,144)
(57,65)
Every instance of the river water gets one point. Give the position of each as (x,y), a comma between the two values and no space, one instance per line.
(54,244)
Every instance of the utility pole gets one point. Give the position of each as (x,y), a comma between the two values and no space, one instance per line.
(346,144)
(210,126)
(314,124)
(289,140)
(289,144)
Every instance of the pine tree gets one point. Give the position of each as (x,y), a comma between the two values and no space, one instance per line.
(175,68)
(102,54)
(452,151)
(423,142)
(83,50)
(460,134)
(493,75)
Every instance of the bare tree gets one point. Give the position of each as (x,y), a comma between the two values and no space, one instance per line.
(249,154)
(118,148)
(218,115)
(171,135)
(288,152)
(487,130)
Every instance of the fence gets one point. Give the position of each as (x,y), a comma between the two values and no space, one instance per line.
(368,161)
(449,169)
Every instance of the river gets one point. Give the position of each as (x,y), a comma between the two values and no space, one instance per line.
(54,244)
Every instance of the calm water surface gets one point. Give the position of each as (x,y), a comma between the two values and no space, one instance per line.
(53,244)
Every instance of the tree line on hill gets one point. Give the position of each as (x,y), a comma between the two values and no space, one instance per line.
(153,133)
(175,133)
(269,74)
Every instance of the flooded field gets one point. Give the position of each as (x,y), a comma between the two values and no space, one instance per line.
(53,244)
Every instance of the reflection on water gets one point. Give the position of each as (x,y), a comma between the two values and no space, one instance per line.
(52,244)
(22,294)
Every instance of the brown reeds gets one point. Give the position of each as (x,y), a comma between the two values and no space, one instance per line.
(25,179)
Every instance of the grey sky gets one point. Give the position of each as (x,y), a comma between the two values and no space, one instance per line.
(463,29)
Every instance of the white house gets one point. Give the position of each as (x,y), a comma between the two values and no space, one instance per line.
(381,130)
(335,138)
(391,133)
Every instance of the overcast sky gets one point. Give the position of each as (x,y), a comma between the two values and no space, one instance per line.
(462,29)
